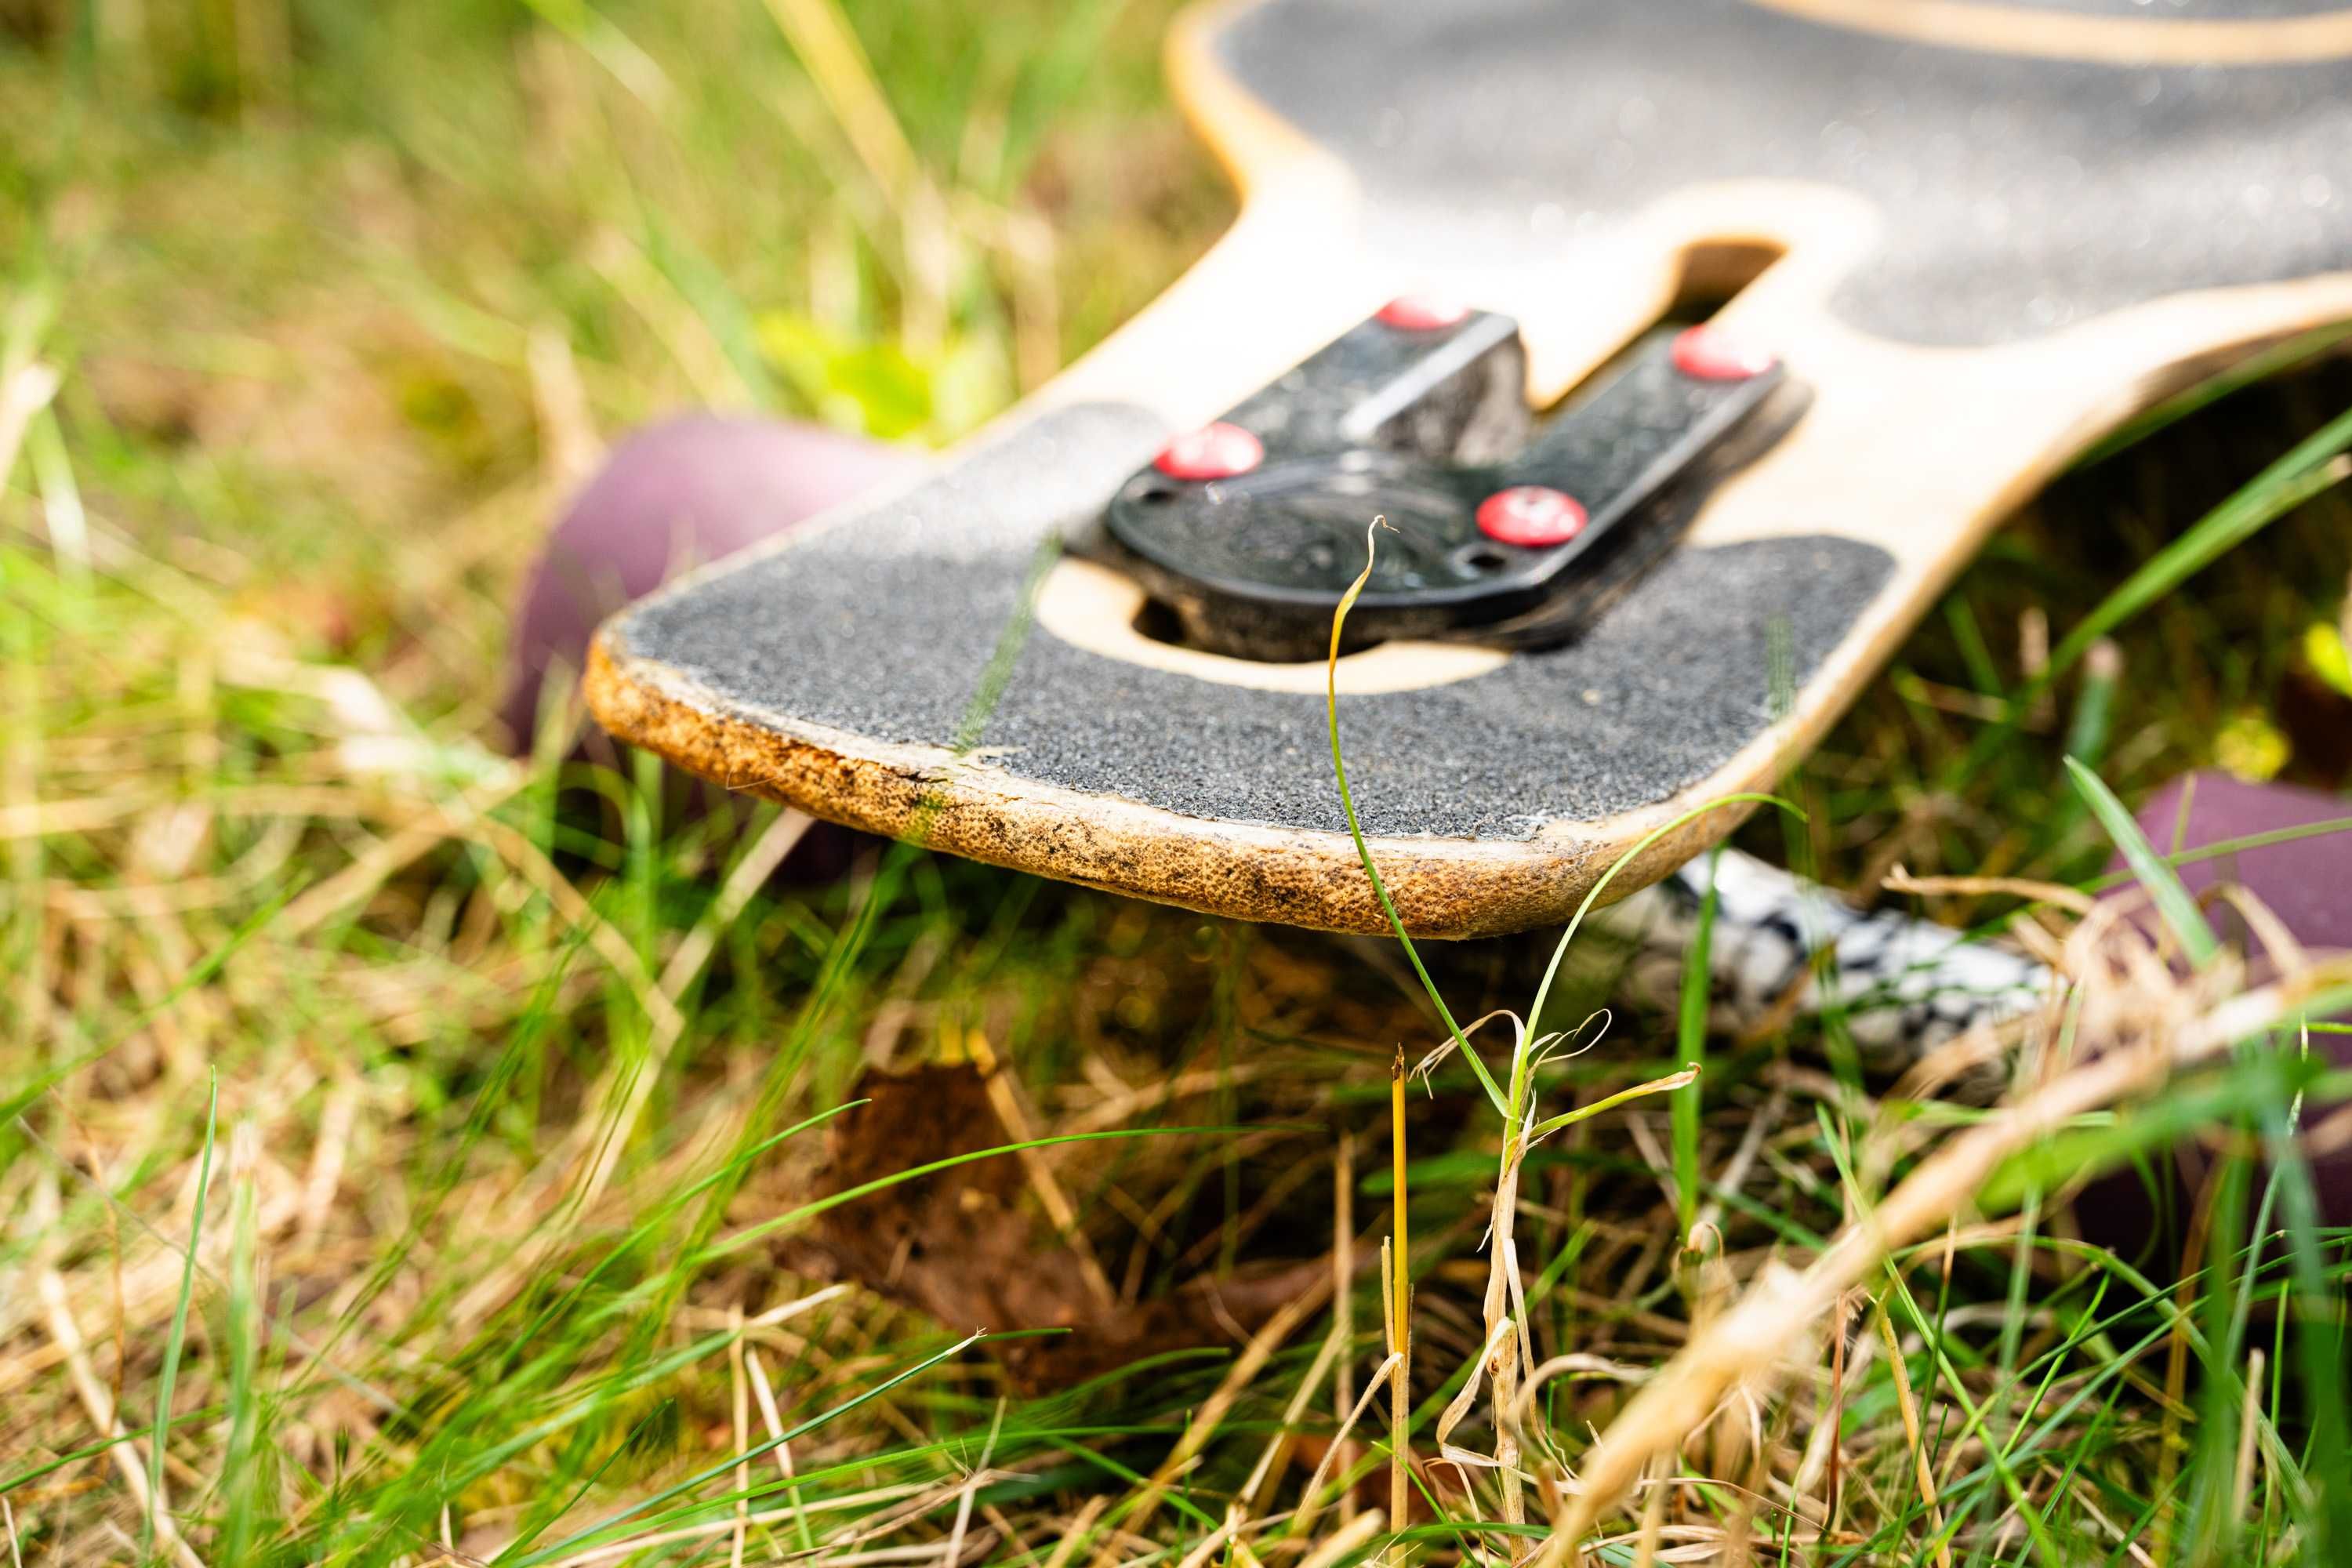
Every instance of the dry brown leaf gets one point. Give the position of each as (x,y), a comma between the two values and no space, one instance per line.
(967,1246)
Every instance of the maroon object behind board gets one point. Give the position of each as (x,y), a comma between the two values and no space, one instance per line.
(672,497)
(2307,883)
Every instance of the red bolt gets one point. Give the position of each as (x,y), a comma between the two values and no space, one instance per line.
(1531,516)
(1217,452)
(1707,355)
(1423,313)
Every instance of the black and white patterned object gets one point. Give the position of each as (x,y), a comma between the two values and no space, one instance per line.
(1903,985)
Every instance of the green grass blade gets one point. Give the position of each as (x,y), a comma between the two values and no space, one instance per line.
(608,46)
(1687,1079)
(572,1542)
(2319,1345)
(2172,900)
(1356,830)
(1690,1049)
(2303,472)
(178,1335)
(1551,970)
(75,1455)
(2309,468)
(707,293)
(248,1467)
(749,1234)
(2274,361)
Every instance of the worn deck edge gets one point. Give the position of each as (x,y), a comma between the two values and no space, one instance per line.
(1447,887)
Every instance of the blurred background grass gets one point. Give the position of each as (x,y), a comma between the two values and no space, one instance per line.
(295,260)
(342,301)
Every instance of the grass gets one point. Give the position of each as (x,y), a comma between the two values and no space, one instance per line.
(489,1243)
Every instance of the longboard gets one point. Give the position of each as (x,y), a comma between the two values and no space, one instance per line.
(1959,242)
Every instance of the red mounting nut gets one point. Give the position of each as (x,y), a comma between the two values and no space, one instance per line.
(1423,313)
(1708,353)
(1531,516)
(1217,452)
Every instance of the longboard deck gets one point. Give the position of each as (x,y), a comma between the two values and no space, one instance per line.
(1992,232)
